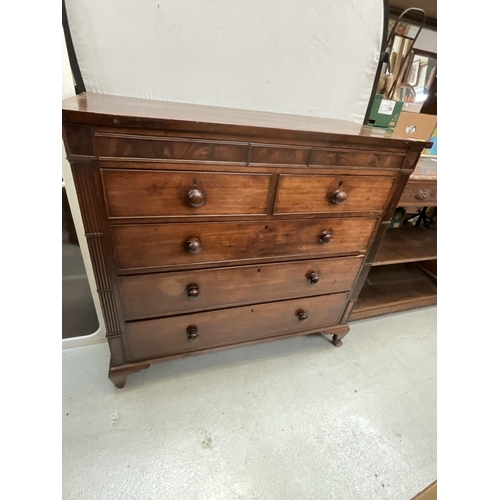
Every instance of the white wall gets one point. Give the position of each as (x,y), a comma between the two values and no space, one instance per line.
(308,57)
(68,90)
(427,40)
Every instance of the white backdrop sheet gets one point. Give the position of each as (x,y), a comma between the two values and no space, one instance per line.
(305,57)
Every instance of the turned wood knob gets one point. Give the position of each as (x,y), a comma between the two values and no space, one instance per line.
(313,278)
(302,316)
(339,197)
(193,292)
(326,237)
(196,198)
(193,246)
(192,333)
(421,195)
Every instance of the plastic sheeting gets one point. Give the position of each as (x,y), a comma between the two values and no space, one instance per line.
(306,57)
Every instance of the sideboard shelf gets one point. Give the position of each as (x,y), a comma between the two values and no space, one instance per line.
(407,244)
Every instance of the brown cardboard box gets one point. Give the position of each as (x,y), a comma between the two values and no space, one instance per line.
(430,493)
(415,125)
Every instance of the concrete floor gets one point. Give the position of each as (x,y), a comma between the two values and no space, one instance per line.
(291,419)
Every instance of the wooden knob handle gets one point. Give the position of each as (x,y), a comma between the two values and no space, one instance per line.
(193,291)
(302,316)
(339,197)
(326,237)
(193,246)
(313,278)
(421,195)
(192,333)
(196,198)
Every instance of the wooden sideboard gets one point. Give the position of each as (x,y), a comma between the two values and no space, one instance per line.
(404,272)
(210,228)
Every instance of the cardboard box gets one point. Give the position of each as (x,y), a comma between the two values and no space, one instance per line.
(415,126)
(384,112)
(430,493)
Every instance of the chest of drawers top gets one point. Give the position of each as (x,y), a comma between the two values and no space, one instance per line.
(230,133)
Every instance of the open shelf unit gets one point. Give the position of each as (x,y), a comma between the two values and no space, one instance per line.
(407,244)
(403,274)
(393,288)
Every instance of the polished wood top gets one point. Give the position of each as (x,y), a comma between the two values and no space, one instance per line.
(105,110)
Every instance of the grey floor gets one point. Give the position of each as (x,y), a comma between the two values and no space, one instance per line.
(291,419)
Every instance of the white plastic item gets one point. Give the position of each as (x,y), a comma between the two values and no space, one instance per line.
(305,57)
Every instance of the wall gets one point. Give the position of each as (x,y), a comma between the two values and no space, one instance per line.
(68,90)
(427,40)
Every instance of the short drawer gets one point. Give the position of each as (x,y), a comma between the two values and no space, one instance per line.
(149,246)
(331,194)
(153,193)
(344,158)
(419,193)
(172,293)
(205,330)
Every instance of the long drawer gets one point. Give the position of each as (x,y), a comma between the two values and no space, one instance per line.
(163,294)
(331,194)
(154,193)
(193,332)
(150,246)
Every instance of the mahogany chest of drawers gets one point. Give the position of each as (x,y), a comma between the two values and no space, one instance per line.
(210,228)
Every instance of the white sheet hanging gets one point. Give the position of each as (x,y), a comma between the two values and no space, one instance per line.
(306,57)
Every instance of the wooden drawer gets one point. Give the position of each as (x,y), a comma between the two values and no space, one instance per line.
(420,193)
(172,293)
(148,246)
(273,154)
(153,193)
(166,336)
(331,194)
(345,158)
(108,145)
